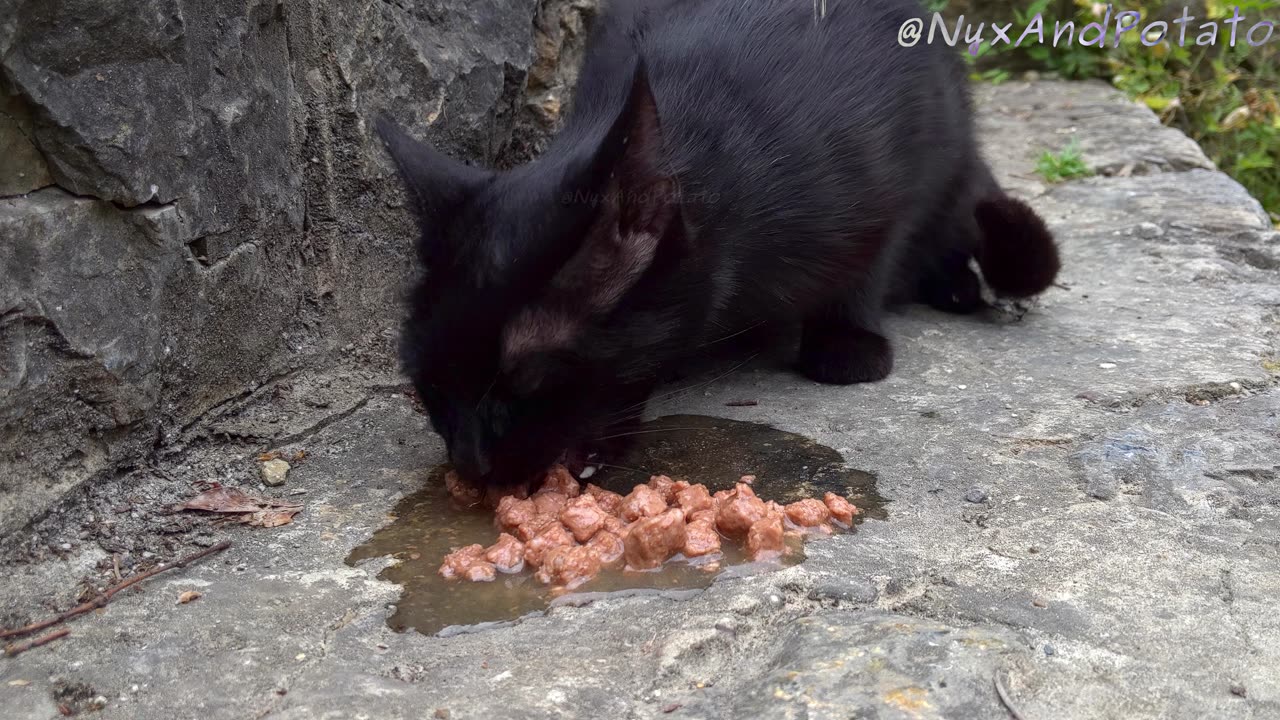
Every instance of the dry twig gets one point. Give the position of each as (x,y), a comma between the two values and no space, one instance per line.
(1004,698)
(19,648)
(111,592)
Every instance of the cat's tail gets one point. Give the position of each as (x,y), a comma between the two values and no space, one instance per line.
(1018,255)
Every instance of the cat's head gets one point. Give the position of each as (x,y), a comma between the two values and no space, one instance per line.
(537,323)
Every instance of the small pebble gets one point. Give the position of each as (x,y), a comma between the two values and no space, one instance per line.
(962,387)
(1107,366)
(976,495)
(1049,649)
(274,472)
(1238,690)
(1148,230)
(726,624)
(1103,485)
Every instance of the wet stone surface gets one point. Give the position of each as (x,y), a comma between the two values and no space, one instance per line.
(718,451)
(428,523)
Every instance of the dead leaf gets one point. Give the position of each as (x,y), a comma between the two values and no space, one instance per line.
(188,596)
(250,509)
(273,518)
(223,499)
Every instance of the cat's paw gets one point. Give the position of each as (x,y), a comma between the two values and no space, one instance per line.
(845,358)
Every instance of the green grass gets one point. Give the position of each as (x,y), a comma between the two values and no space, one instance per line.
(1225,98)
(1065,165)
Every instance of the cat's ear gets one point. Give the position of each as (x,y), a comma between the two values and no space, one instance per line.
(436,183)
(626,204)
(633,201)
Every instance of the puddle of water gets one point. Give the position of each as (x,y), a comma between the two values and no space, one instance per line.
(700,449)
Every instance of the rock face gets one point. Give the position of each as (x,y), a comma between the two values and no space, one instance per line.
(191,203)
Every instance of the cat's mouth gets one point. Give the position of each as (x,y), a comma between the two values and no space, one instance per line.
(581,463)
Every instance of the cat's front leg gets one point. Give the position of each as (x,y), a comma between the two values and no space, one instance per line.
(951,286)
(842,342)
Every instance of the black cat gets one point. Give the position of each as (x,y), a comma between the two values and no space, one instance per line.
(724,163)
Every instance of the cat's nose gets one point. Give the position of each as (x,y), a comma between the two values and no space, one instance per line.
(468,453)
(472,468)
(471,464)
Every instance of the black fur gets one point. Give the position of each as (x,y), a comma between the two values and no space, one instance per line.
(724,163)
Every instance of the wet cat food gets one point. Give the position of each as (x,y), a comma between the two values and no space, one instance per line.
(568,532)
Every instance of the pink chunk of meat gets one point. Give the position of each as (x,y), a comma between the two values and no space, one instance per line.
(560,480)
(740,511)
(583,517)
(643,502)
(507,555)
(608,501)
(841,509)
(569,567)
(808,513)
(701,539)
(765,539)
(653,540)
(554,535)
(468,562)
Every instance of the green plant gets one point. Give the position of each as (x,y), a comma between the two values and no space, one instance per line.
(995,76)
(1065,165)
(1226,98)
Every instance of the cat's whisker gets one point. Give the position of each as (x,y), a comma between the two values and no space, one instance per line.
(623,467)
(646,432)
(732,335)
(670,396)
(487,391)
